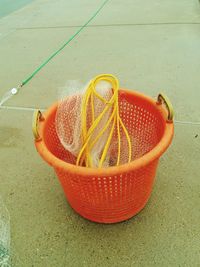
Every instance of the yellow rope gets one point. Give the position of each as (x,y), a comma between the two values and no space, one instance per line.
(87,142)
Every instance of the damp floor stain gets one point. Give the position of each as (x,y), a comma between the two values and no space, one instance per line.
(10,137)
(9,6)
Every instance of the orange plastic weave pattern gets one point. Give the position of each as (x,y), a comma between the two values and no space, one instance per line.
(117,193)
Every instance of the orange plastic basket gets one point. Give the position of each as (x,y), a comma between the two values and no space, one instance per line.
(113,194)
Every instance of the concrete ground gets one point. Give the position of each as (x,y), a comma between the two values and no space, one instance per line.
(152,46)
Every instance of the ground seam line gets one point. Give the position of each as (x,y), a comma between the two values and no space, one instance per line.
(43,109)
(108,25)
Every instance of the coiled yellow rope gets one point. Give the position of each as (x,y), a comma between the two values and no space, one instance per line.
(85,152)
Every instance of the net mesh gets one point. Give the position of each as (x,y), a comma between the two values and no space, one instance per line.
(4,235)
(68,119)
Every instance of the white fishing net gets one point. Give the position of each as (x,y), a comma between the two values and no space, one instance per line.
(4,235)
(68,119)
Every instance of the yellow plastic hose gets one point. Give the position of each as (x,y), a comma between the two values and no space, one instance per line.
(115,121)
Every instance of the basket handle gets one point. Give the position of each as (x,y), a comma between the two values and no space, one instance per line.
(37,117)
(162,98)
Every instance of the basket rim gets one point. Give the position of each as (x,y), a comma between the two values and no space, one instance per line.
(138,163)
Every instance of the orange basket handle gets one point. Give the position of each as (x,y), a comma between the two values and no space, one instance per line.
(37,117)
(162,98)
